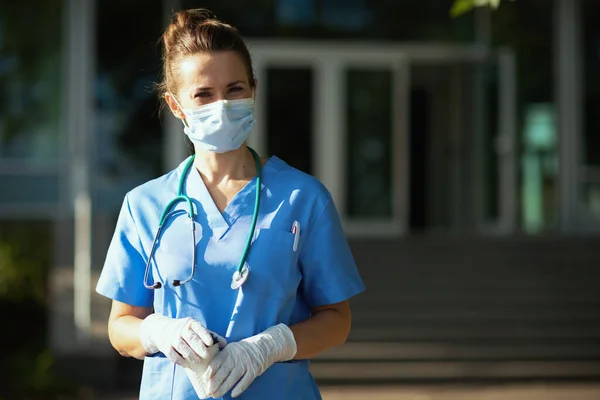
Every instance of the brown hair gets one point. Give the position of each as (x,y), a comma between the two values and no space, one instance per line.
(197,31)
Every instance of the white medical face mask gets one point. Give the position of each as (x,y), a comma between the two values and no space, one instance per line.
(220,126)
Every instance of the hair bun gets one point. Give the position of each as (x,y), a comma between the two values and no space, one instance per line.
(185,21)
(191,18)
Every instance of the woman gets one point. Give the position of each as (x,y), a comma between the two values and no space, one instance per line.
(271,273)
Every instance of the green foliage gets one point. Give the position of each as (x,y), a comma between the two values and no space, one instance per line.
(25,259)
(25,256)
(31,370)
(460,7)
(31,374)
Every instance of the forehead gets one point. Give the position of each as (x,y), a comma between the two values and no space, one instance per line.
(211,69)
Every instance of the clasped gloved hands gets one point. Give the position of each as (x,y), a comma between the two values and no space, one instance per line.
(239,363)
(183,340)
(214,373)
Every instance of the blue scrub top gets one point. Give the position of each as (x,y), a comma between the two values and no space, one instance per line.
(283,284)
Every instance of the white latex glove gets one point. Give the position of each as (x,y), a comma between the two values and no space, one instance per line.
(195,373)
(247,359)
(184,341)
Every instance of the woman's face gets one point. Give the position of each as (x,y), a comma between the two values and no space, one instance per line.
(208,77)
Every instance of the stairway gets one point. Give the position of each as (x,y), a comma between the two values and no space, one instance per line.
(466,309)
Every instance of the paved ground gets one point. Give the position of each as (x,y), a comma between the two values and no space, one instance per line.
(495,392)
(529,392)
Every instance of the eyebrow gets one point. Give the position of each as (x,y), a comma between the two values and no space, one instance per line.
(234,83)
(209,88)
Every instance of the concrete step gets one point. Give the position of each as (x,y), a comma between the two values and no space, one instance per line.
(500,314)
(453,371)
(404,332)
(535,299)
(445,351)
(488,275)
(485,328)
(490,322)
(500,287)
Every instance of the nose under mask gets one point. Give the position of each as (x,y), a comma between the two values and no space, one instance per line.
(221,126)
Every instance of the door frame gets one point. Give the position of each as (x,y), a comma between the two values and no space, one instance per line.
(328,59)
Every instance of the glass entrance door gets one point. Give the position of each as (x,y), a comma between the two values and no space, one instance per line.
(406,139)
(462,145)
(339,115)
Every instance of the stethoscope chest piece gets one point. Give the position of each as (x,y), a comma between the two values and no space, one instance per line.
(240,277)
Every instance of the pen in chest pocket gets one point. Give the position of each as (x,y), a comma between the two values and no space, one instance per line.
(296,232)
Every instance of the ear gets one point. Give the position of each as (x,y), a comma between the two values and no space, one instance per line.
(255,89)
(174,107)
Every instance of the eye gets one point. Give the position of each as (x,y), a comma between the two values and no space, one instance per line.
(236,89)
(202,94)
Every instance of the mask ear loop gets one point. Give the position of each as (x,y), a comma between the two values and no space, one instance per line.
(183,112)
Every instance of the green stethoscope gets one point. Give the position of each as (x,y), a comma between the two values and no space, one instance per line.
(241,274)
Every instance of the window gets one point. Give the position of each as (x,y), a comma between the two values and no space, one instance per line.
(30,81)
(289,115)
(128,134)
(591,104)
(369,133)
(591,60)
(31,100)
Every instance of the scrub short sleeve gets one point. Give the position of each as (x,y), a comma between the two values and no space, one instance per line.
(122,276)
(329,272)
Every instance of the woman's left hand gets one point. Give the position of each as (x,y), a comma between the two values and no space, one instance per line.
(247,359)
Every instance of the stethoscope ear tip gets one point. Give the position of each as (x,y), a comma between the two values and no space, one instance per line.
(176,282)
(157,285)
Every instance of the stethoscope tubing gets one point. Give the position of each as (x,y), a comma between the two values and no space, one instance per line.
(182,197)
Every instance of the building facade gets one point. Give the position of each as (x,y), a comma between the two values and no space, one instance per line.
(420,125)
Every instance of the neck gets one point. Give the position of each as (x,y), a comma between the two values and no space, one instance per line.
(219,167)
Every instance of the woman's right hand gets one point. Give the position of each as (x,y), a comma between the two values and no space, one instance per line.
(182,341)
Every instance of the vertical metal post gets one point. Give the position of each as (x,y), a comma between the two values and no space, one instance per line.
(175,149)
(456,134)
(479,194)
(80,65)
(568,97)
(506,146)
(401,144)
(329,138)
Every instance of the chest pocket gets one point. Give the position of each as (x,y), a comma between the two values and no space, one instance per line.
(273,264)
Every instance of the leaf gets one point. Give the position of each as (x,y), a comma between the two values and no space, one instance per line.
(461,7)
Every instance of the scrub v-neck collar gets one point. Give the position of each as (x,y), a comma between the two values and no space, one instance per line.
(219,222)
